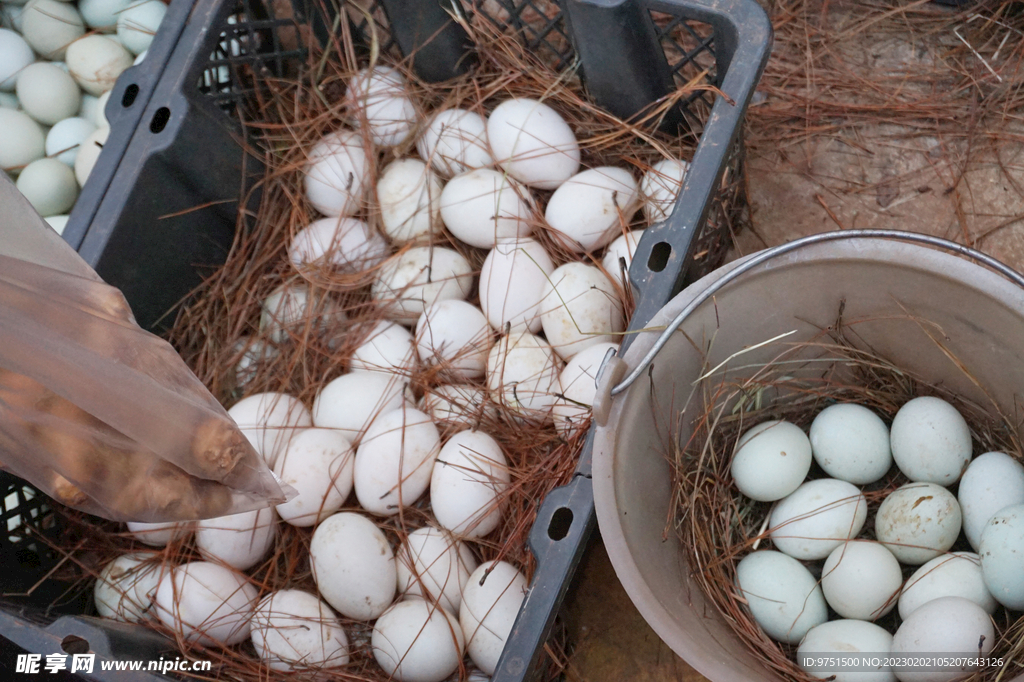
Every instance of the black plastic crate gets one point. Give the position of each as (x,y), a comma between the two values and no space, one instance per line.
(160,211)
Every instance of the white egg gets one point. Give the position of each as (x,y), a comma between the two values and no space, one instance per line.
(89,153)
(239,540)
(102,14)
(338,174)
(418,277)
(918,522)
(47,93)
(771,461)
(580,309)
(138,24)
(126,586)
(623,247)
(96,61)
(578,384)
(296,309)
(851,443)
(490,603)
(294,630)
(353,566)
(64,138)
(353,402)
(818,517)
(482,206)
(861,580)
(1001,549)
(21,139)
(468,484)
(158,534)
(269,421)
(379,97)
(522,375)
(394,461)
(434,565)
(533,143)
(512,284)
(591,208)
(206,603)
(951,626)
(992,482)
(660,187)
(100,115)
(949,575)
(454,141)
(346,244)
(417,642)
(255,353)
(824,643)
(57,222)
(389,348)
(409,196)
(456,336)
(15,55)
(782,595)
(49,186)
(88,108)
(318,464)
(458,405)
(50,27)
(930,441)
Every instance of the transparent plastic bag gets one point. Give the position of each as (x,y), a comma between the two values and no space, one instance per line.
(98,413)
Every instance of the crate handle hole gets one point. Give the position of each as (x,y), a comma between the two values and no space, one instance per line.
(73,644)
(130,93)
(660,253)
(160,119)
(561,522)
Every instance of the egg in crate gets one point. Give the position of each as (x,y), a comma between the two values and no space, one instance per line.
(353,566)
(533,143)
(455,141)
(771,460)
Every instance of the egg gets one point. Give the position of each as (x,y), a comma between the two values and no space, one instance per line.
(578,386)
(533,143)
(353,402)
(379,97)
(50,27)
(394,460)
(57,222)
(239,540)
(100,114)
(454,141)
(49,186)
(318,464)
(660,187)
(992,482)
(293,630)
(409,197)
(102,14)
(622,247)
(454,335)
(157,534)
(458,405)
(88,108)
(434,565)
(818,517)
(296,310)
(482,206)
(1001,549)
(269,421)
(522,374)
(138,23)
(931,442)
(47,93)
(126,586)
(345,244)
(21,139)
(96,61)
(206,603)
(782,595)
(590,209)
(469,483)
(861,580)
(139,58)
(417,642)
(951,626)
(824,643)
(580,309)
(15,55)
(771,461)
(948,575)
(918,522)
(337,174)
(490,603)
(419,277)
(851,443)
(89,154)
(513,281)
(65,137)
(353,566)
(389,348)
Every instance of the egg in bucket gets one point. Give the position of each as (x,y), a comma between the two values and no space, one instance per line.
(921,303)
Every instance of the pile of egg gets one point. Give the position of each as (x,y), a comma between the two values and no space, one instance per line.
(945,606)
(58,63)
(531,349)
